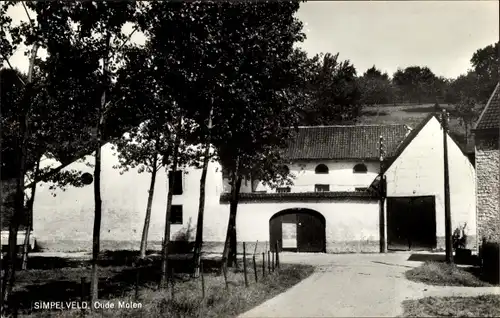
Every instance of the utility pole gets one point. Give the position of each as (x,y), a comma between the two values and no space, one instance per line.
(382,193)
(447,213)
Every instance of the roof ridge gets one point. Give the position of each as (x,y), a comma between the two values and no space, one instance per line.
(364,125)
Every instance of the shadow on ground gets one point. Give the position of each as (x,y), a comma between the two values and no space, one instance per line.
(427,257)
(59,279)
(473,260)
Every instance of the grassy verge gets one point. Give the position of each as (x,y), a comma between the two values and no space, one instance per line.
(442,274)
(117,287)
(481,306)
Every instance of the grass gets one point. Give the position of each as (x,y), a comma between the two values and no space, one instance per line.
(443,274)
(480,306)
(117,285)
(410,115)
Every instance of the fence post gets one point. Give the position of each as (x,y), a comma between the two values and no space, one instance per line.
(202,280)
(224,271)
(137,279)
(255,247)
(272,263)
(263,264)
(245,264)
(277,255)
(172,290)
(255,268)
(82,294)
(269,261)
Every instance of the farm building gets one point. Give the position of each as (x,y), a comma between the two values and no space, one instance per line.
(486,134)
(329,208)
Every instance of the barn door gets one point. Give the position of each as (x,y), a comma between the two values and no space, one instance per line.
(311,233)
(411,223)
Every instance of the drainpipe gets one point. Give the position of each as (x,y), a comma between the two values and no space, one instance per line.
(382,194)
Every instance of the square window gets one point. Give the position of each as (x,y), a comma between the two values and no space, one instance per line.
(176,214)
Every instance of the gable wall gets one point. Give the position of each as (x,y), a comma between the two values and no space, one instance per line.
(419,171)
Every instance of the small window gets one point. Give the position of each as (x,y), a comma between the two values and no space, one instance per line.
(176,214)
(283,190)
(321,188)
(321,169)
(360,168)
(87,178)
(177,186)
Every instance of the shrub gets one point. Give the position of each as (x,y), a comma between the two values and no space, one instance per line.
(460,237)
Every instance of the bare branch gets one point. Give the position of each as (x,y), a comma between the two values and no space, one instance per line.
(128,38)
(27,13)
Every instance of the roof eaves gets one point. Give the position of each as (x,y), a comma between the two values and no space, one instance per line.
(486,107)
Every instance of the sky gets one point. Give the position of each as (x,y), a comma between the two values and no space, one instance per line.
(441,35)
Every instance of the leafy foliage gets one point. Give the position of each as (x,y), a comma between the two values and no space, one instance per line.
(333,91)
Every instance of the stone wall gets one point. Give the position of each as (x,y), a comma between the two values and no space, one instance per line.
(487,171)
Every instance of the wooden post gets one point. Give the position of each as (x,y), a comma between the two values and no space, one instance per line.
(82,294)
(245,264)
(277,255)
(255,247)
(269,261)
(137,279)
(272,261)
(383,245)
(202,280)
(263,264)
(224,271)
(172,290)
(255,268)
(447,212)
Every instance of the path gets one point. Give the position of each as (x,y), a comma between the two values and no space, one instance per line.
(354,285)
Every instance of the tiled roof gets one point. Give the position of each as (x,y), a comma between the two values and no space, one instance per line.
(490,118)
(300,196)
(344,142)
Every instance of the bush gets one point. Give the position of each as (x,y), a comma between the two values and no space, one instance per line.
(490,259)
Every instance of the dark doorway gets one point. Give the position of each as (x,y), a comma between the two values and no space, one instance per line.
(411,223)
(298,230)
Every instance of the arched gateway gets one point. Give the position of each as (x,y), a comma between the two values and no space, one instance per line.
(298,230)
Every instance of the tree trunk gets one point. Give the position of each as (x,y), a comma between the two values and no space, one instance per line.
(466,141)
(201,205)
(9,270)
(147,218)
(166,239)
(96,237)
(229,253)
(29,226)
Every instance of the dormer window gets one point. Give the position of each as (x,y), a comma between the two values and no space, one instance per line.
(360,168)
(321,169)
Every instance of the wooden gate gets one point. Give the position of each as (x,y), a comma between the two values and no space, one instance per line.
(411,223)
(298,230)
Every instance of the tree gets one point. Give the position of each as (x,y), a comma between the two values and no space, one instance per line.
(467,114)
(254,114)
(147,145)
(375,87)
(417,84)
(73,75)
(333,91)
(486,65)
